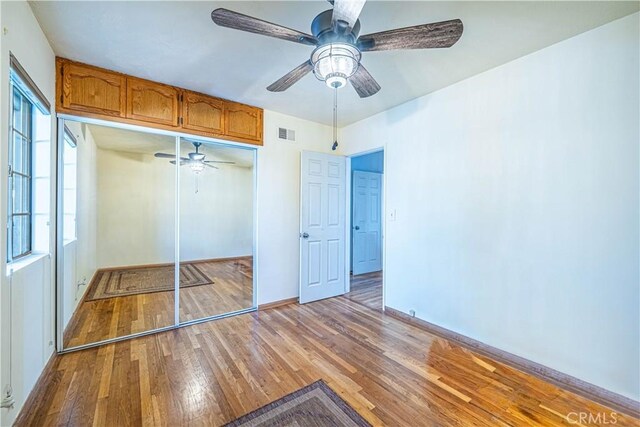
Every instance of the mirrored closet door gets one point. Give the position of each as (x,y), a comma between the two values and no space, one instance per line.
(118,245)
(140,229)
(216,229)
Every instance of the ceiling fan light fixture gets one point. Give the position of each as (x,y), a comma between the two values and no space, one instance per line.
(336,81)
(197,167)
(334,63)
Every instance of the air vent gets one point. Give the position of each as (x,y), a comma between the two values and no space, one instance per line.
(288,134)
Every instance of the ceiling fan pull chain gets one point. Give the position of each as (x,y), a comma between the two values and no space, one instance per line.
(335,119)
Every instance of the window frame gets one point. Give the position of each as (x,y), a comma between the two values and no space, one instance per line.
(69,141)
(26,175)
(21,82)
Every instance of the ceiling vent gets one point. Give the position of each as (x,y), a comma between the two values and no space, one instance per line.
(288,134)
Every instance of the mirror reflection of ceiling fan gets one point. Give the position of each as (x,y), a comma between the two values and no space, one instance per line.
(196,160)
(339,45)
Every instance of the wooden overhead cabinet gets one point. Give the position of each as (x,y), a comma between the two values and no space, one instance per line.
(243,121)
(88,91)
(152,102)
(202,113)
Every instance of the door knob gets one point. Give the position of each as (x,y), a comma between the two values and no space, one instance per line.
(357,227)
(305,235)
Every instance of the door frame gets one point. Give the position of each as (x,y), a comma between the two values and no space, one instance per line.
(383,209)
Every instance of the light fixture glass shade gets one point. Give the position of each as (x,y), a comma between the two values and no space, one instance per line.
(197,167)
(334,63)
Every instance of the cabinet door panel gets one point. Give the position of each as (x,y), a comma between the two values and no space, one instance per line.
(92,90)
(152,102)
(203,113)
(243,121)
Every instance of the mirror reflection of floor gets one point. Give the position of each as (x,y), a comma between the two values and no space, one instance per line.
(130,300)
(366,289)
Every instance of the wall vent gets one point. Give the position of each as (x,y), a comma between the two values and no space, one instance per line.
(288,134)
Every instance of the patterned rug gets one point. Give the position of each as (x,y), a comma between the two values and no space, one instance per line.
(142,280)
(315,405)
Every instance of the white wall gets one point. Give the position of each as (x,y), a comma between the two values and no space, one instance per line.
(517,206)
(27,298)
(136,217)
(279,202)
(217,221)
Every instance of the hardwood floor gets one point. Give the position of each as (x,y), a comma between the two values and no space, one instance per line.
(366,289)
(208,374)
(102,319)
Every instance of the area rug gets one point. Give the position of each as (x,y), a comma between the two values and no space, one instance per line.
(315,405)
(143,280)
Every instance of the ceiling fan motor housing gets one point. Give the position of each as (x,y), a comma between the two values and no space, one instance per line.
(322,28)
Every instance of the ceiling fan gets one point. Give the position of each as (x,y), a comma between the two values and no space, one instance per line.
(339,46)
(196,160)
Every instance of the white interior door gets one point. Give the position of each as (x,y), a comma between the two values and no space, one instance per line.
(322,226)
(366,224)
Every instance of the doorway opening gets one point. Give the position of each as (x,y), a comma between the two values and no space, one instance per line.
(367,172)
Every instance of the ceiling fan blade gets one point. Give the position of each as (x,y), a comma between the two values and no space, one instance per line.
(165,156)
(238,21)
(182,162)
(347,11)
(291,78)
(425,36)
(364,83)
(219,161)
(211,166)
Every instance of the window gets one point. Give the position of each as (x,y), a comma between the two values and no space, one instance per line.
(20,163)
(69,156)
(29,152)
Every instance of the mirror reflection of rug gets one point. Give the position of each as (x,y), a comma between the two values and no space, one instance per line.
(142,280)
(315,405)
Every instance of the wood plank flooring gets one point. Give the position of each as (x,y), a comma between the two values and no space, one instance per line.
(98,320)
(366,289)
(208,374)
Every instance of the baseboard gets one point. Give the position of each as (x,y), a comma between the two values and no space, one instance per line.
(575,385)
(279,303)
(169,264)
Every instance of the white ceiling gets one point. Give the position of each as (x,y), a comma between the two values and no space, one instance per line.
(177,43)
(117,139)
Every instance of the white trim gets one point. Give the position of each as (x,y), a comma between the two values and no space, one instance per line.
(176,238)
(384,226)
(347,231)
(255,229)
(59,243)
